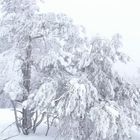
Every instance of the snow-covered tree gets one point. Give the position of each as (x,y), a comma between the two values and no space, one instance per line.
(49,68)
(37,57)
(98,104)
(17,27)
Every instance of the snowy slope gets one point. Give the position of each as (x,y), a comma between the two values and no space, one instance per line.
(7,117)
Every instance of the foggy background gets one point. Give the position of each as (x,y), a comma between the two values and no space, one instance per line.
(106,17)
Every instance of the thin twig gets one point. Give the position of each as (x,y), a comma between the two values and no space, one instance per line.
(10,137)
(7,127)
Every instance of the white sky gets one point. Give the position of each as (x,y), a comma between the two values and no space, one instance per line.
(105,17)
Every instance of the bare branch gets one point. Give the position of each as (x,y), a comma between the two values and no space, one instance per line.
(15,114)
(40,121)
(10,137)
(36,37)
(35,121)
(7,127)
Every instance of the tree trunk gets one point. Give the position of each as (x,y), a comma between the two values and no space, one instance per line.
(26,71)
(26,123)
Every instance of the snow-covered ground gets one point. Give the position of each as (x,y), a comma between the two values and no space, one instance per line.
(7,118)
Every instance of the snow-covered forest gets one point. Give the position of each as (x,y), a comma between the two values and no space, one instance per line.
(57,83)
